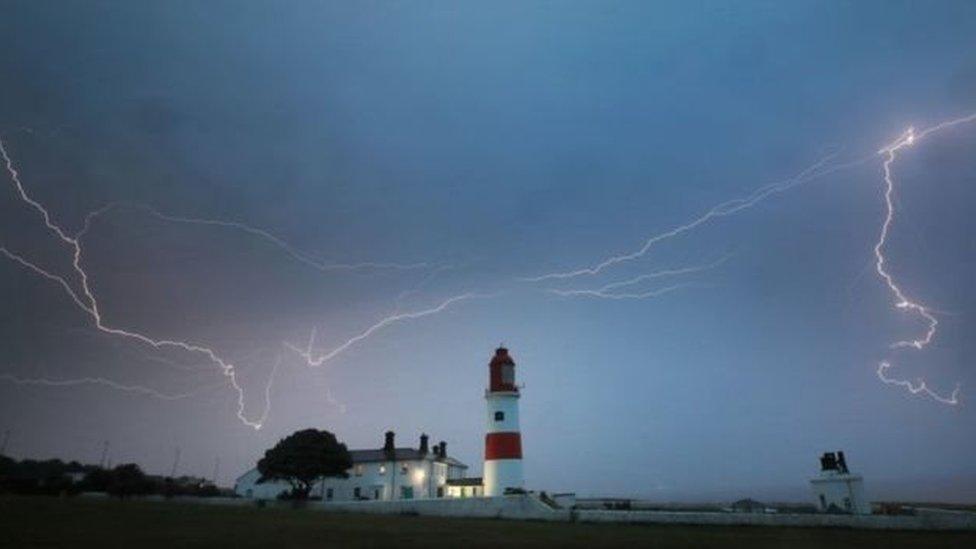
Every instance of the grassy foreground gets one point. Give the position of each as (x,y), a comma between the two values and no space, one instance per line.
(81,522)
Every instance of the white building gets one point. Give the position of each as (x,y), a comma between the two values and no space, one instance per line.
(382,474)
(837,490)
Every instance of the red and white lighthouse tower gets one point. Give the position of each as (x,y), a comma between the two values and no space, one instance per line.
(503,443)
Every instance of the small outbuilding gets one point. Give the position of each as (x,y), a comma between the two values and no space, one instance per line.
(836,489)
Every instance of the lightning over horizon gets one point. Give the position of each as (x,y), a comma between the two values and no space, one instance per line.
(698,228)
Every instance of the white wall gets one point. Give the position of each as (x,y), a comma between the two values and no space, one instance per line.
(247,486)
(845,491)
(508,405)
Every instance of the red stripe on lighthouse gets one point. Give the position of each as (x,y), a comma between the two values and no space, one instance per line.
(503,446)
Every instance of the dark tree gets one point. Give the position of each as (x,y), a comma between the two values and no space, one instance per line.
(128,480)
(303,457)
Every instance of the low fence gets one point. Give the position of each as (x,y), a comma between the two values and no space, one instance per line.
(530,507)
(933,521)
(516,507)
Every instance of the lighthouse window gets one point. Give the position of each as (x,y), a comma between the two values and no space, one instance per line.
(499,416)
(508,375)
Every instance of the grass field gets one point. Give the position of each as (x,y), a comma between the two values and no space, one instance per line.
(81,522)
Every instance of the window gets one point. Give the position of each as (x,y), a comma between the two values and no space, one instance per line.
(359,469)
(406,492)
(357,492)
(508,374)
(404,469)
(499,416)
(464,492)
(823,502)
(376,493)
(328,494)
(440,491)
(382,469)
(847,503)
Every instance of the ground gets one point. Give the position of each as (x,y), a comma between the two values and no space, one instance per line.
(88,522)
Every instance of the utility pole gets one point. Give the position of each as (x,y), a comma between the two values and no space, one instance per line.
(102,462)
(216,470)
(176,463)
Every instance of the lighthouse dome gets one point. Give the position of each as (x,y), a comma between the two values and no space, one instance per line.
(502,372)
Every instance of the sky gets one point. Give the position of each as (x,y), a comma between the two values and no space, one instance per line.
(397,179)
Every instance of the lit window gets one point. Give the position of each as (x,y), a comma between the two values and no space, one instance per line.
(359,469)
(382,469)
(499,416)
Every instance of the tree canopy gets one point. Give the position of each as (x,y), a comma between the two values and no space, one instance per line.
(303,457)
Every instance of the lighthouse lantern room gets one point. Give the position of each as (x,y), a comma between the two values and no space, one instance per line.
(503,441)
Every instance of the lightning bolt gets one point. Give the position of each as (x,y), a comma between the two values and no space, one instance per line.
(295,253)
(916,388)
(607,291)
(727,208)
(315,361)
(90,305)
(606,295)
(138,389)
(890,153)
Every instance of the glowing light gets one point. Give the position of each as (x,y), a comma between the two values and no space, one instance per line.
(903,302)
(90,305)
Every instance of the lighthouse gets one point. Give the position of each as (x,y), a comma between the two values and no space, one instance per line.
(503,441)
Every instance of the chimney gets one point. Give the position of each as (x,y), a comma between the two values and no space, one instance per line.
(442,451)
(842,462)
(388,447)
(828,462)
(423,445)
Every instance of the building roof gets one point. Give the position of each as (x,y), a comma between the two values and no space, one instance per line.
(401,454)
(473,481)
